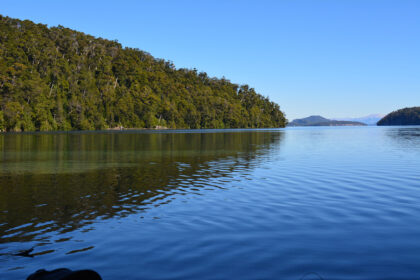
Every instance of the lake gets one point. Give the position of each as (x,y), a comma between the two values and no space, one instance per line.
(294,203)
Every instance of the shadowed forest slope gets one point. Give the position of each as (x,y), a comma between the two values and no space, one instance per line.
(406,116)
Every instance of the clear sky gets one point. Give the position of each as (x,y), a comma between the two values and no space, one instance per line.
(335,58)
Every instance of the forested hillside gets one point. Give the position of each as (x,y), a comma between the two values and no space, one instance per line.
(60,79)
(406,116)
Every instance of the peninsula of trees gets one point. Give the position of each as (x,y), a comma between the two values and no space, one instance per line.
(60,79)
(406,116)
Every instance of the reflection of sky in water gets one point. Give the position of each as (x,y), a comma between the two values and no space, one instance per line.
(275,204)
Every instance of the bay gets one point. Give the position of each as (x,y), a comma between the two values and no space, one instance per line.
(294,203)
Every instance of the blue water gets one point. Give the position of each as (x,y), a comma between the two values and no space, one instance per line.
(295,203)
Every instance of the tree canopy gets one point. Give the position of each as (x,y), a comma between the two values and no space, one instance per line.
(406,116)
(60,79)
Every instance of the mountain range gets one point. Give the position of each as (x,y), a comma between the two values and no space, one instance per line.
(369,120)
(321,121)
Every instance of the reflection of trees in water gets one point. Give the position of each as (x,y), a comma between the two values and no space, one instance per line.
(404,136)
(44,189)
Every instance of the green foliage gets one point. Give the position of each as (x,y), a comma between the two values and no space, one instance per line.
(60,79)
(2,122)
(406,116)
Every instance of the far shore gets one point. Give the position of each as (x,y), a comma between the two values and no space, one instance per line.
(137,128)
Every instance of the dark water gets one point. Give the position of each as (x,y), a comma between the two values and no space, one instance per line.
(343,203)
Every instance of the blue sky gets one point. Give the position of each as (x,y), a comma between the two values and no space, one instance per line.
(336,58)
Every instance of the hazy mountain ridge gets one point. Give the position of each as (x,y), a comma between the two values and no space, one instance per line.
(369,120)
(321,121)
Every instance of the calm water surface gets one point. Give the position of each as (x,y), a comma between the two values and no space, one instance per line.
(343,203)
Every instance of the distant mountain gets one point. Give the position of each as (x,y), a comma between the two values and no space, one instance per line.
(321,121)
(369,120)
(308,121)
(406,116)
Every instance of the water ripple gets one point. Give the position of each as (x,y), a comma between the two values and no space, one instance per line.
(342,203)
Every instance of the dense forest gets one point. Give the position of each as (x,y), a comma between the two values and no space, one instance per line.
(406,116)
(60,79)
